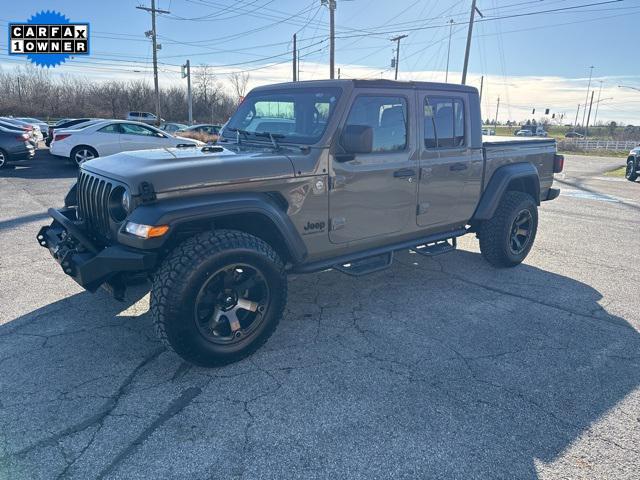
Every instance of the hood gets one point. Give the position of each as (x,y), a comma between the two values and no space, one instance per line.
(170,169)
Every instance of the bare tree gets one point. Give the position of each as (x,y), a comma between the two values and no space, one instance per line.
(239,83)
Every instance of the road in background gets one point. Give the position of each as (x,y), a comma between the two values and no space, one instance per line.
(439,367)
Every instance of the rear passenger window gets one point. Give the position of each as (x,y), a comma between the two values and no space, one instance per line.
(113,128)
(444,125)
(387,116)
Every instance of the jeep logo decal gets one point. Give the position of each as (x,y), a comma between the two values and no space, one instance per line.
(314,226)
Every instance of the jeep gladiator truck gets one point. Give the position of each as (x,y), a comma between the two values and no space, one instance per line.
(306,176)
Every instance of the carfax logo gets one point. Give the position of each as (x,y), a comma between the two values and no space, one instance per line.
(48,38)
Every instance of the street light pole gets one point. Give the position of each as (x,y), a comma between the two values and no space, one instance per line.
(586,100)
(397,40)
(446,76)
(154,42)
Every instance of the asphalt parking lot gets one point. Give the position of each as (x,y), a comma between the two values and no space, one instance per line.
(436,368)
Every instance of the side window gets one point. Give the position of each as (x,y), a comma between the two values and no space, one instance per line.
(387,116)
(113,128)
(133,129)
(444,125)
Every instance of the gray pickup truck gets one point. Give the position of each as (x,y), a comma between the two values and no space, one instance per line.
(306,176)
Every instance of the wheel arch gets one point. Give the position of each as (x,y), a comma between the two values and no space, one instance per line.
(258,214)
(520,177)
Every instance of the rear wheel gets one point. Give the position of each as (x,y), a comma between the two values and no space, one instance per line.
(218,297)
(3,158)
(507,238)
(631,172)
(82,154)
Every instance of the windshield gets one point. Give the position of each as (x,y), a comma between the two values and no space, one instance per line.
(297,115)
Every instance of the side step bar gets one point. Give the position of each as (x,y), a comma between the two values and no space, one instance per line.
(382,252)
(436,248)
(367,265)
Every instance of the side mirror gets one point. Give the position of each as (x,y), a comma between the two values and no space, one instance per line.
(357,139)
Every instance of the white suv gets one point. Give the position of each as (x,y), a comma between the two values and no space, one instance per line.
(146,117)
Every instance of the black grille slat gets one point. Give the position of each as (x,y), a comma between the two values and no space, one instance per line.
(93,203)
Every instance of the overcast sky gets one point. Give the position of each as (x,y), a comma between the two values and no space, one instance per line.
(533,53)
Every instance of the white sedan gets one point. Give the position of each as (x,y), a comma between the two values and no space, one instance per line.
(106,137)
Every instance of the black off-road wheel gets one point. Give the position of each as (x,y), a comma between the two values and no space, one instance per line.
(218,297)
(631,172)
(507,238)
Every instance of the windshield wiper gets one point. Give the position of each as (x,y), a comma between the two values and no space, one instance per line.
(238,132)
(272,137)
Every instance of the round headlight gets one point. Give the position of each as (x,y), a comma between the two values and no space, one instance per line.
(119,204)
(126,201)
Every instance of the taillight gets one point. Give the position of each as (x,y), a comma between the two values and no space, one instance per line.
(23,137)
(61,136)
(27,127)
(558,163)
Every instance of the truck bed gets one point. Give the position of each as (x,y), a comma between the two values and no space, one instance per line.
(540,152)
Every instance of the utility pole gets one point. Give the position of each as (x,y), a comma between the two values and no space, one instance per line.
(155,46)
(446,75)
(397,40)
(186,73)
(595,117)
(474,9)
(586,100)
(298,65)
(332,35)
(586,132)
(481,87)
(295,60)
(575,124)
(496,120)
(338,72)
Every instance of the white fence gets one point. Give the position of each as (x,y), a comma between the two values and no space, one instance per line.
(582,144)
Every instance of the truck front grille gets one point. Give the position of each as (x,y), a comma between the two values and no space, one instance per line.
(93,203)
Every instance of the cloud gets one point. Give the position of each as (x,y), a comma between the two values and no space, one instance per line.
(519,95)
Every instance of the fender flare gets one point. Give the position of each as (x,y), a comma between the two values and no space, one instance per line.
(177,211)
(499,183)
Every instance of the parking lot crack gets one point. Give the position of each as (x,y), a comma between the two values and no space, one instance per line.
(174,408)
(99,417)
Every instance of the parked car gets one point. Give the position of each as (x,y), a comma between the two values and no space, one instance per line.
(68,123)
(37,133)
(144,117)
(42,125)
(28,129)
(488,131)
(633,165)
(106,137)
(204,132)
(219,228)
(172,127)
(524,133)
(573,135)
(14,146)
(531,132)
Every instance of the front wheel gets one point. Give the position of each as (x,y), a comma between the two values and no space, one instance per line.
(631,173)
(3,158)
(218,297)
(507,237)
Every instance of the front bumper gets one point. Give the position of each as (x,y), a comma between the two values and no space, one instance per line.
(80,258)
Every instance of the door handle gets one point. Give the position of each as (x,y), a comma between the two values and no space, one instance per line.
(456,167)
(404,172)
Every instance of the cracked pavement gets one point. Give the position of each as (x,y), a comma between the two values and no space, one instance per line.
(438,367)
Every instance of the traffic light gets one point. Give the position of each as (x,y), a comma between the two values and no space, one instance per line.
(546,111)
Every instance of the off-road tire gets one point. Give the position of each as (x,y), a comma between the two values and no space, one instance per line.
(180,277)
(631,172)
(495,233)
